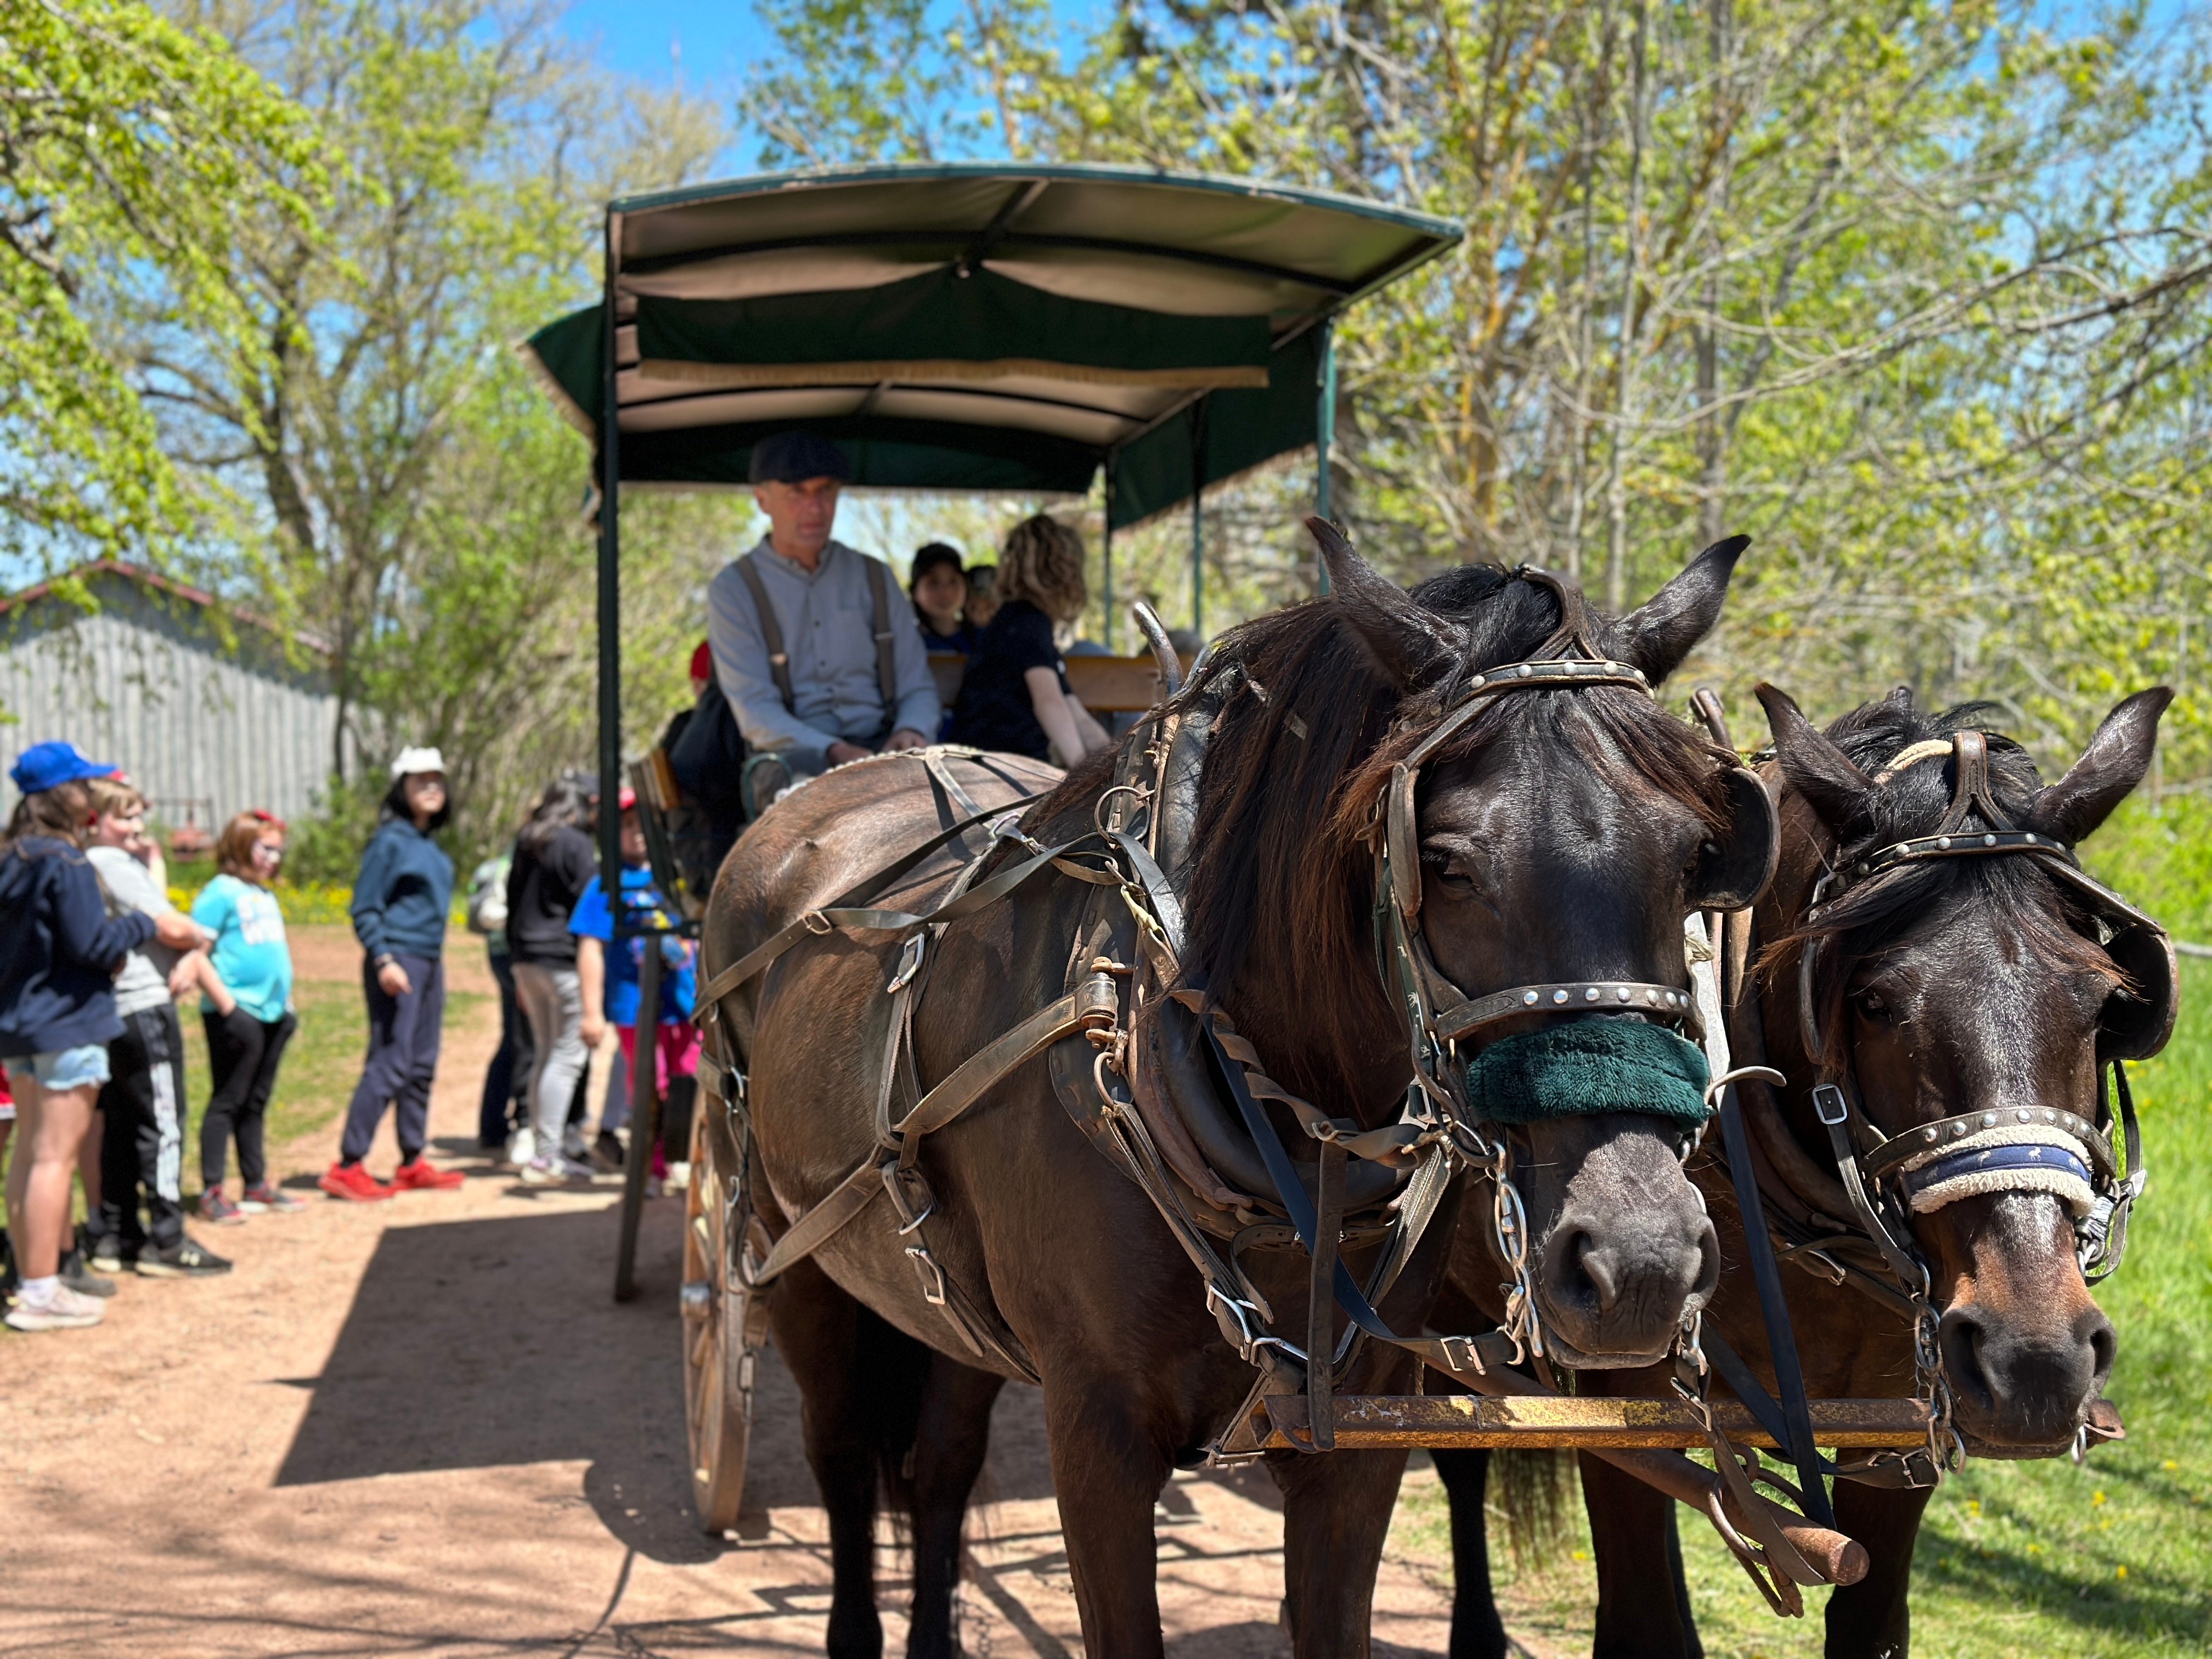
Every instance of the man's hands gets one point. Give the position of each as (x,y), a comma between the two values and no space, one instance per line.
(841,753)
(393,980)
(594,1032)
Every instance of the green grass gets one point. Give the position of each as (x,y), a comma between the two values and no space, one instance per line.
(2028,1559)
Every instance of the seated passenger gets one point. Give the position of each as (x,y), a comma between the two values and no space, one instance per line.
(807,650)
(940,589)
(982,596)
(1015,697)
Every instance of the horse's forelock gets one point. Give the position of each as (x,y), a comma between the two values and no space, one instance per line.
(1911,804)
(1293,771)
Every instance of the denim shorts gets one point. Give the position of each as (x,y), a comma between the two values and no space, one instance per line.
(71,1068)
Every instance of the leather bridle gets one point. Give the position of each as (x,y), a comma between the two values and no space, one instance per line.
(1924,1162)
(1444,1025)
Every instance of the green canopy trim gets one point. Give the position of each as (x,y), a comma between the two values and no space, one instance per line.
(1219,435)
(567,357)
(942,325)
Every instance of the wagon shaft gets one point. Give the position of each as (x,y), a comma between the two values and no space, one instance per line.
(1472,1422)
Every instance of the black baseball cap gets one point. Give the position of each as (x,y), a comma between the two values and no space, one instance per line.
(795,457)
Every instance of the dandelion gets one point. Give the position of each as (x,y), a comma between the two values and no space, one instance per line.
(2120,1571)
(2097,1497)
(1973,1506)
(2169,1466)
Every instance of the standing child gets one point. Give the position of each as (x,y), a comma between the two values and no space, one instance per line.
(144,1098)
(399,903)
(59,951)
(247,1013)
(610,975)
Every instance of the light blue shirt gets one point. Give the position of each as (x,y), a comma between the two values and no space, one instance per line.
(250,954)
(826,616)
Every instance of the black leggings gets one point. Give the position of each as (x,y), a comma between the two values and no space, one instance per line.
(243,1052)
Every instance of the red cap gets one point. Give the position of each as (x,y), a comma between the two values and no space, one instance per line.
(702,662)
(627,798)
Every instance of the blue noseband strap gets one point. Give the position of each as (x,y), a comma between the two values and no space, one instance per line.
(1586,1066)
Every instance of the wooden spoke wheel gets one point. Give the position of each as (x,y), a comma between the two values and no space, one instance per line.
(724,1325)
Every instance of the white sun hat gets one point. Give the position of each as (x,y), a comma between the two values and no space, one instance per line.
(417,760)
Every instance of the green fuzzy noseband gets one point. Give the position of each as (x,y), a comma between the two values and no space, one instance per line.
(1587,1067)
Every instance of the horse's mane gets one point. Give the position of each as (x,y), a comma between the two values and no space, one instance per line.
(1912,803)
(1308,730)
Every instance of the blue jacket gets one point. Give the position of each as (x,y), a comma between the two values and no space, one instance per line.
(58,950)
(402,894)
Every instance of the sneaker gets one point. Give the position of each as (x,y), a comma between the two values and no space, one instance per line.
(182,1259)
(110,1255)
(521,1146)
(573,1147)
(608,1153)
(553,1171)
(75,1276)
(219,1211)
(266,1199)
(353,1183)
(423,1177)
(66,1310)
(764,781)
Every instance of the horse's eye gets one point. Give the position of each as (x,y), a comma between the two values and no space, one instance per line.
(1441,866)
(1872,1006)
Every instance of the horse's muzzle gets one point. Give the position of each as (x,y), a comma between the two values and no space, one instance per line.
(2024,1389)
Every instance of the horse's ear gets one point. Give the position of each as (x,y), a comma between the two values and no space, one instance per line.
(1830,784)
(2114,763)
(1411,645)
(1657,637)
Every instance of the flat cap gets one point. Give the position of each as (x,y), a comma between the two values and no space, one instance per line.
(795,457)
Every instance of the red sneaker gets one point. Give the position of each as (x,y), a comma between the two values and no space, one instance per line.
(421,1176)
(352,1182)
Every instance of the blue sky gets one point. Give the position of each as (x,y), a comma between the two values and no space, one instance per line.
(712,35)
(716,37)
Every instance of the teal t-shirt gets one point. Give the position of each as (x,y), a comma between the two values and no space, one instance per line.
(250,954)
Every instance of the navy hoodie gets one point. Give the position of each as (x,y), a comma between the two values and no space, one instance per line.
(58,950)
(402,895)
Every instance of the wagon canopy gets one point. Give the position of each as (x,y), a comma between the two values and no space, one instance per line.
(977,327)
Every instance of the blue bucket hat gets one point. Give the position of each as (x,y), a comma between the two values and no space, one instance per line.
(795,457)
(44,766)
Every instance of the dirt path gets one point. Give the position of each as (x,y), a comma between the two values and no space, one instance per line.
(423,1427)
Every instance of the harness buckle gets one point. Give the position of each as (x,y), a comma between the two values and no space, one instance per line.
(909,964)
(932,1276)
(818,924)
(1830,1106)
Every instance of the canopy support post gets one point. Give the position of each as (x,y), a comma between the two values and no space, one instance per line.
(1198,521)
(610,595)
(1106,551)
(1324,442)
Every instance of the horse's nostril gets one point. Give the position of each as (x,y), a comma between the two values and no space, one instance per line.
(1709,1265)
(2102,1344)
(1959,1335)
(1596,1266)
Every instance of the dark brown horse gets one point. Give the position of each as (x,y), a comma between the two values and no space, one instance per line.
(1975,985)
(1561,836)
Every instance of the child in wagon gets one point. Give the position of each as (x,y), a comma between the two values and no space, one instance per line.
(609,977)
